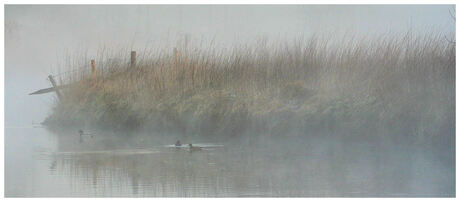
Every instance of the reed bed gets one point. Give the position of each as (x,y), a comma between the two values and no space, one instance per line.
(401,84)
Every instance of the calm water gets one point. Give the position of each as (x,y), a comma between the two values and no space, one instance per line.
(41,163)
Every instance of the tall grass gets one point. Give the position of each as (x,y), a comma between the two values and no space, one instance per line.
(404,83)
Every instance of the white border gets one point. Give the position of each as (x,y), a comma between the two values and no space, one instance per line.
(216,2)
(229,2)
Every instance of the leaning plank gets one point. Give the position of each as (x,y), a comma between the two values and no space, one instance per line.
(56,87)
(41,91)
(48,90)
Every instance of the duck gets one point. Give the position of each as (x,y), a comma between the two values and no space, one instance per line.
(192,148)
(178,144)
(82,133)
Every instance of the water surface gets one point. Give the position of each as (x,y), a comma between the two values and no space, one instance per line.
(41,163)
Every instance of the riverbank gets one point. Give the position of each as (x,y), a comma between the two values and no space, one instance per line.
(390,85)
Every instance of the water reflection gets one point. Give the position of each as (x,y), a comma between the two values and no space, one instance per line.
(142,166)
(163,173)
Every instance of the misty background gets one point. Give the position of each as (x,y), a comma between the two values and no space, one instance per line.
(41,39)
(38,38)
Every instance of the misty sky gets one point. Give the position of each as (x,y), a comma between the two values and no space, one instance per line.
(36,37)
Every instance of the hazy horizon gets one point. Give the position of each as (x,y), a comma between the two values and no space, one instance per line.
(368,119)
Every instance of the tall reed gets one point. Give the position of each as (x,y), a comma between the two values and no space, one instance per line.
(402,82)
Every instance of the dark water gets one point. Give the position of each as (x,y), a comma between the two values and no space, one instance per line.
(41,163)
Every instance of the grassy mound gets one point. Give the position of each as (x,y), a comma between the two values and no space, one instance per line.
(401,85)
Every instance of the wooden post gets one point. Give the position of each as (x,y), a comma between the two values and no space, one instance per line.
(133,59)
(176,55)
(93,67)
(53,82)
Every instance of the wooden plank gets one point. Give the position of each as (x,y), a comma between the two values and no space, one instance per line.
(42,91)
(55,86)
(48,90)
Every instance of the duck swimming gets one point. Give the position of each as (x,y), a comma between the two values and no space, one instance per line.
(192,148)
(82,133)
(178,144)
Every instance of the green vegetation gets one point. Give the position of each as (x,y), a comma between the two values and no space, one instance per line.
(399,85)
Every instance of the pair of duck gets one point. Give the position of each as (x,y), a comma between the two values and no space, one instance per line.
(81,133)
(190,146)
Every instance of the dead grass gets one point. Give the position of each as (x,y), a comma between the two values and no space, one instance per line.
(404,82)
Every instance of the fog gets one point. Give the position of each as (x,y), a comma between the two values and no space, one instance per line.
(38,39)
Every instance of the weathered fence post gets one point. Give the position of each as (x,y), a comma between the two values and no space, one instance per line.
(93,68)
(53,82)
(133,59)
(176,55)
